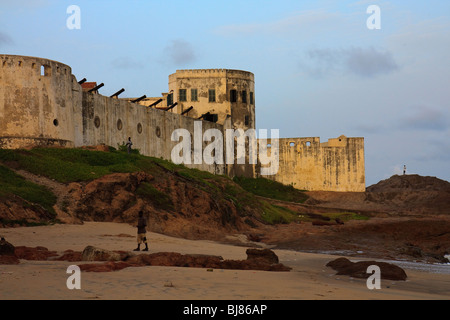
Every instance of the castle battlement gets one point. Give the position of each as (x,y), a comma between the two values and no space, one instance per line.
(232,73)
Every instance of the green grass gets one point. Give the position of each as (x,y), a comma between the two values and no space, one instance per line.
(332,216)
(13,184)
(76,165)
(274,214)
(71,165)
(271,189)
(159,199)
(345,216)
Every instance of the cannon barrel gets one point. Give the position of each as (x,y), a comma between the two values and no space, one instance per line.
(155,103)
(117,93)
(172,106)
(203,115)
(139,99)
(97,87)
(82,81)
(187,110)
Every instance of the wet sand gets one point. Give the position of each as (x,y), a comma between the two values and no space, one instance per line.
(309,279)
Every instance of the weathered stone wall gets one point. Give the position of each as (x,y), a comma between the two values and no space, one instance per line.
(336,165)
(35,102)
(111,121)
(222,81)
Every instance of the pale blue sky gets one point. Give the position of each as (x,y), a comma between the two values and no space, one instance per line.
(319,71)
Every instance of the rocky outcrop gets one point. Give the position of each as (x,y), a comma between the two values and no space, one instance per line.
(36,253)
(265,260)
(257,259)
(264,256)
(6,248)
(91,253)
(343,266)
(16,211)
(173,205)
(7,253)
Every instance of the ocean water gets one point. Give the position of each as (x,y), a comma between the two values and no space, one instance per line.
(439,268)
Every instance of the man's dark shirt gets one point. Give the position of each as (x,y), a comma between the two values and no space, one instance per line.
(141,225)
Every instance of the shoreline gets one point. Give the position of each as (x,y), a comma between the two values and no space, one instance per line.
(309,278)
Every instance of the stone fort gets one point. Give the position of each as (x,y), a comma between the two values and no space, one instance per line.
(43,104)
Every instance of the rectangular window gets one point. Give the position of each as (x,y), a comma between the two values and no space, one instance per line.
(233,96)
(212,95)
(169,99)
(247,120)
(182,95)
(252,101)
(194,95)
(244,96)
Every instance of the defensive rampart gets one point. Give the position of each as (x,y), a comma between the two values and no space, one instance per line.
(42,104)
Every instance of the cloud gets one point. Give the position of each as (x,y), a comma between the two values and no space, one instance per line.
(362,62)
(179,52)
(303,22)
(126,63)
(369,62)
(426,118)
(5,39)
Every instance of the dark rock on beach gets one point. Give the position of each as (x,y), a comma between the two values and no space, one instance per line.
(343,266)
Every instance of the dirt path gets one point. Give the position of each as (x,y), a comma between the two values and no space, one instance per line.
(60,190)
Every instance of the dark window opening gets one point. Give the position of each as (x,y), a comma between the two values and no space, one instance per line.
(182,96)
(244,96)
(55,122)
(247,120)
(252,99)
(97,122)
(194,95)
(212,95)
(169,99)
(233,96)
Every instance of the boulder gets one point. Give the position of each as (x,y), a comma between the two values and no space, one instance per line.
(70,255)
(91,253)
(6,248)
(263,255)
(264,260)
(389,271)
(37,253)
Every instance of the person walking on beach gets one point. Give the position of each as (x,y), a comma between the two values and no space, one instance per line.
(129,144)
(141,232)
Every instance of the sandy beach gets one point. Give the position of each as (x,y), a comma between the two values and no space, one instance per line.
(308,279)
